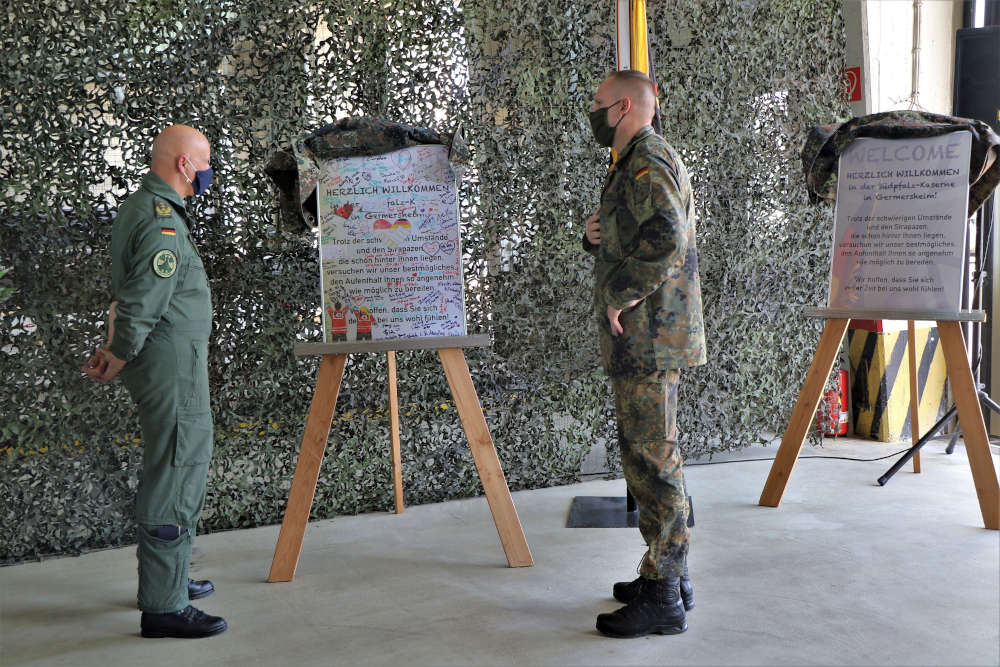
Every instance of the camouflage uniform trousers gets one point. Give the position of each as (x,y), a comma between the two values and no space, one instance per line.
(646,409)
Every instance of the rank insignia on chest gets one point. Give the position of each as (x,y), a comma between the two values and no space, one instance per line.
(164,263)
(168,231)
(162,209)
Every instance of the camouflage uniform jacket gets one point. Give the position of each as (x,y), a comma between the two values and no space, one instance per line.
(648,252)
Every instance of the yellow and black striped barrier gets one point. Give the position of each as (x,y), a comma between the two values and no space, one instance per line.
(880,385)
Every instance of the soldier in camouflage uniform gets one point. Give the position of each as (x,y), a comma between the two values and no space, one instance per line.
(647,298)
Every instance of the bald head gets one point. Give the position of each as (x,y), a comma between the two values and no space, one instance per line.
(179,140)
(178,152)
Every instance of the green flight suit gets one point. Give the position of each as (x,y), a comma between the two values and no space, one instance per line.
(164,318)
(648,252)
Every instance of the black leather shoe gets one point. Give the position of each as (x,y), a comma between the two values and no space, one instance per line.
(188,623)
(199,589)
(656,610)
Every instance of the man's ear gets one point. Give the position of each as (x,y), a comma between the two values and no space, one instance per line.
(626,104)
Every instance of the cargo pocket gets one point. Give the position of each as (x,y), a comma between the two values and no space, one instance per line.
(194,437)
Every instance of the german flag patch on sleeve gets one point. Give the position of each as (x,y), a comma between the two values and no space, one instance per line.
(642,172)
(168,231)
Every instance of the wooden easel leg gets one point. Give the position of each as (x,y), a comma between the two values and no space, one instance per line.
(397,465)
(911,350)
(300,497)
(970,418)
(485,455)
(805,408)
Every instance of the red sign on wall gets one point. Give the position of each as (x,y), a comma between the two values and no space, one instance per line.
(852,84)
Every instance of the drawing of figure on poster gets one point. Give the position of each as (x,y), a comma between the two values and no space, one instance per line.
(334,311)
(364,320)
(337,312)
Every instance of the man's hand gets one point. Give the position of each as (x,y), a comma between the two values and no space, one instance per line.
(594,228)
(103,366)
(613,313)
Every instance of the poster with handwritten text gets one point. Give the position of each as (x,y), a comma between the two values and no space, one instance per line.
(390,251)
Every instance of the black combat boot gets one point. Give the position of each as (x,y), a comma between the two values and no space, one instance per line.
(199,589)
(626,591)
(656,610)
(187,623)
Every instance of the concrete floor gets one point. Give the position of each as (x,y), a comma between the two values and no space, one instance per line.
(844,573)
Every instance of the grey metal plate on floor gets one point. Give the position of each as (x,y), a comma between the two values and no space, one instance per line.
(601,512)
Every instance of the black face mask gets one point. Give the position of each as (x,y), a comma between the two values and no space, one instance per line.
(604,133)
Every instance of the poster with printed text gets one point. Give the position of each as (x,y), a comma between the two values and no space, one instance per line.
(899,229)
(390,252)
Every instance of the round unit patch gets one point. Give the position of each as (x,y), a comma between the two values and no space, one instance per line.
(164,263)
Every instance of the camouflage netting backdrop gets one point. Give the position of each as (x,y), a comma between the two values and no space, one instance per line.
(85,87)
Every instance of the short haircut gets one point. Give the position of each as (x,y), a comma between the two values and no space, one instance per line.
(632,77)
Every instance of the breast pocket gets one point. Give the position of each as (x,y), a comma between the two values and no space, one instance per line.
(196,278)
(193,299)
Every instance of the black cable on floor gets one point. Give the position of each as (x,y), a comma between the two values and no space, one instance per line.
(712,463)
(817,456)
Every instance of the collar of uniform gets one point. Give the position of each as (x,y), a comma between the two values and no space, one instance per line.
(160,188)
(639,136)
(624,155)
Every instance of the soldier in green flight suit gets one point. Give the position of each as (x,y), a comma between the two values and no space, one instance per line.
(159,325)
(647,299)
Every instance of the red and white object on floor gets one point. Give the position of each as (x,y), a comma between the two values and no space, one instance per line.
(834,408)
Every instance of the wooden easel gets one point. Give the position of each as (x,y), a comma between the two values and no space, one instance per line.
(331,372)
(963,386)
